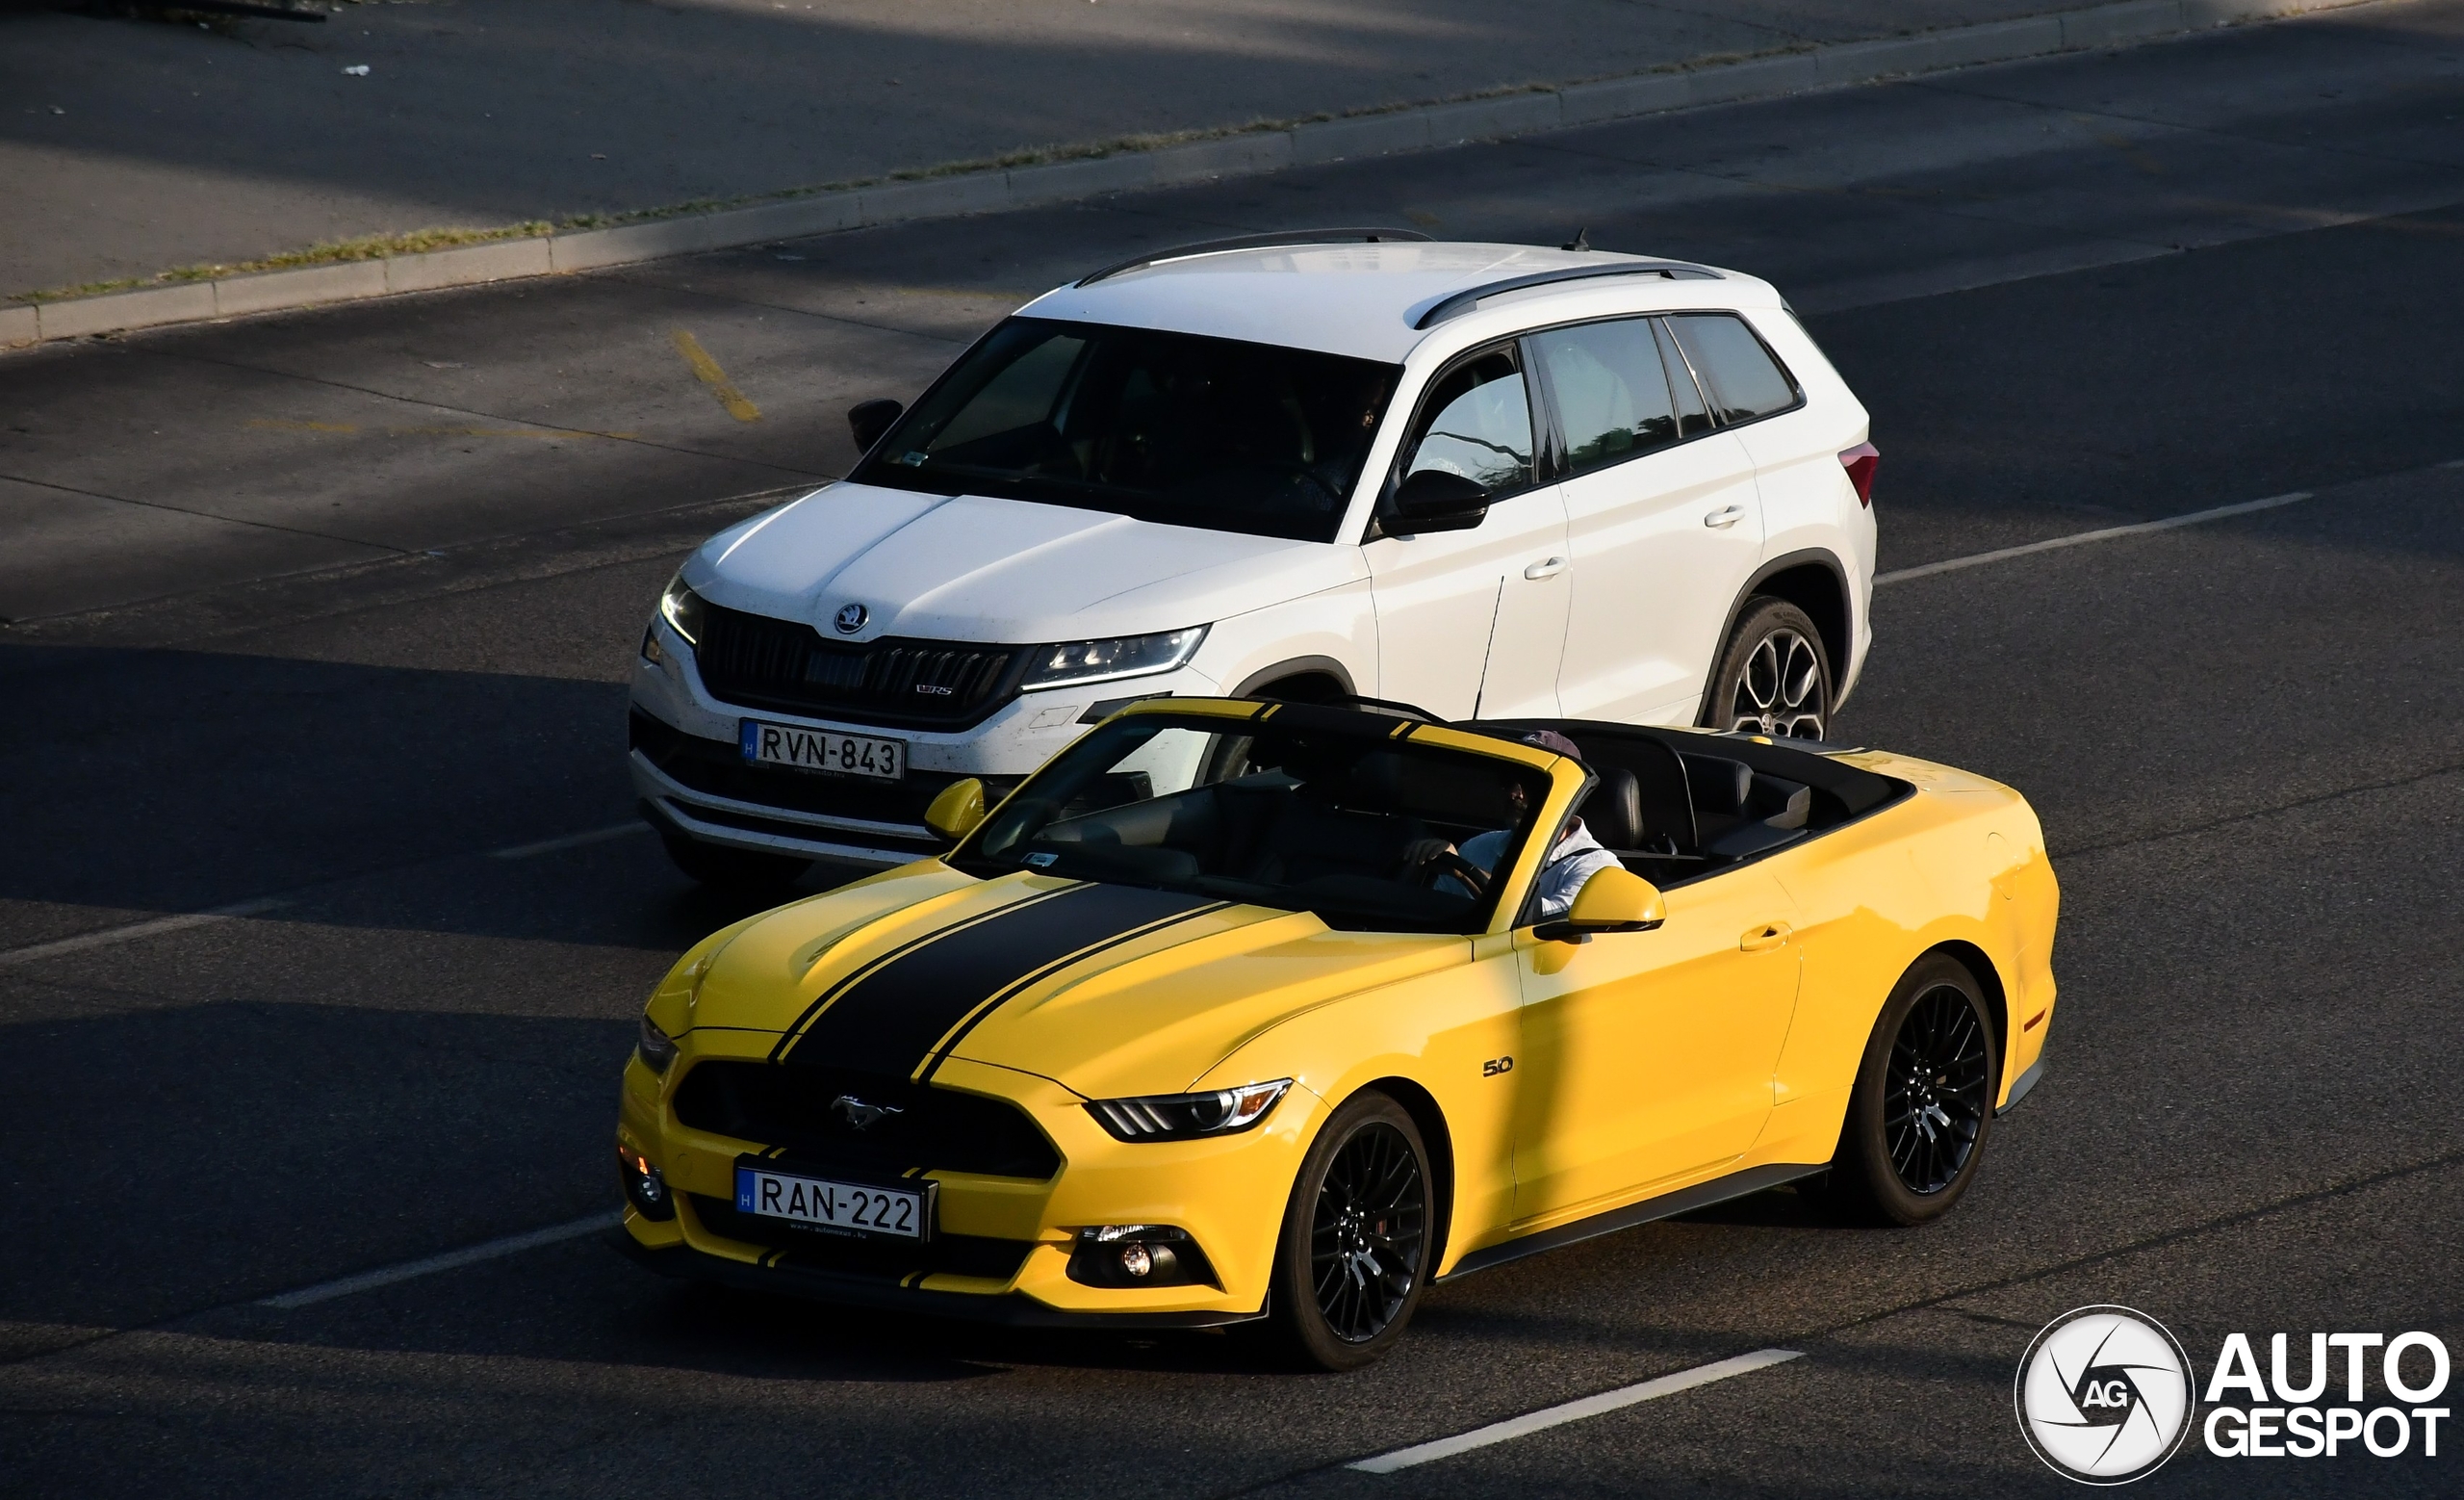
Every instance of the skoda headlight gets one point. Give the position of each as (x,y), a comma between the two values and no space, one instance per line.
(1185,1117)
(682,608)
(1102,661)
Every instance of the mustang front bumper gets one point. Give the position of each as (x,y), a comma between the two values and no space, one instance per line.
(1003,1245)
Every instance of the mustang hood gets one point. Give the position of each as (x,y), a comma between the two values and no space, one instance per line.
(972,568)
(1108,990)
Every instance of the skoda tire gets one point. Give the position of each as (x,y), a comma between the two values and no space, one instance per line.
(1352,1259)
(1774,678)
(1923,1104)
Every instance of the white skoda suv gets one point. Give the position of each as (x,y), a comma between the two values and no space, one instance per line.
(1487,481)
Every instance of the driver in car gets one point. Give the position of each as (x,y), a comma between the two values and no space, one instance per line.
(1576,857)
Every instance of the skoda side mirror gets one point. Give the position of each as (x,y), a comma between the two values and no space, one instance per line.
(1434,500)
(869,420)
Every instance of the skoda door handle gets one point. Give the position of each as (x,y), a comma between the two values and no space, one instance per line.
(1549,568)
(1763,937)
(1726,516)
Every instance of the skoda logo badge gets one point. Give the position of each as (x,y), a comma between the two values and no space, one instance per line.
(2105,1395)
(851,619)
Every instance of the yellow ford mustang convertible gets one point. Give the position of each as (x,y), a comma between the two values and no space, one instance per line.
(1241,1010)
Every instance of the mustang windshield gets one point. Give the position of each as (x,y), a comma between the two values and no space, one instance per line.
(1342,821)
(1164,427)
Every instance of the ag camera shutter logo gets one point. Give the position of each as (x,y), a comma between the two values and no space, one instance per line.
(2104,1395)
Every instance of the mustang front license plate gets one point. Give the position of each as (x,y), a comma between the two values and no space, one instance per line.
(821,750)
(858,1208)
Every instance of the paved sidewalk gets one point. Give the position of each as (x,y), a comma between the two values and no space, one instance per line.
(129,147)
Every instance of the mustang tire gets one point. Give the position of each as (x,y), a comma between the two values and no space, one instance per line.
(1352,1258)
(733,869)
(1774,677)
(1923,1104)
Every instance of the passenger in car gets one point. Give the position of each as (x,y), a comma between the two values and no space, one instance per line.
(1574,859)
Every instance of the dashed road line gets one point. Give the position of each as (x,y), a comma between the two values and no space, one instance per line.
(181,922)
(1588,1407)
(523,851)
(145,929)
(510,1245)
(2083,538)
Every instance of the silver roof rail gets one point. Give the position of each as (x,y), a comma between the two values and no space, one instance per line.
(1462,303)
(1254,242)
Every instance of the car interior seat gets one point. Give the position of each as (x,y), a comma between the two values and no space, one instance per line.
(1740,812)
(1640,805)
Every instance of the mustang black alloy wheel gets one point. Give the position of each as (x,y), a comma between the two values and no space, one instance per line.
(1923,1103)
(1934,1092)
(1353,1256)
(1774,678)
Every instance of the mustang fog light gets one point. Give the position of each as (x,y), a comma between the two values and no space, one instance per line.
(657,1046)
(645,1188)
(1185,1117)
(1139,1254)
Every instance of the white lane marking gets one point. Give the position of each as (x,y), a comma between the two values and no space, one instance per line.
(145,929)
(511,1244)
(2082,539)
(1574,1411)
(523,851)
(181,922)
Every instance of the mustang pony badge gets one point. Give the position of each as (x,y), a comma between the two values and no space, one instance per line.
(859,1116)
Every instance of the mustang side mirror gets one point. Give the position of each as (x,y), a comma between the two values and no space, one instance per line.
(1436,500)
(1611,900)
(955,811)
(869,420)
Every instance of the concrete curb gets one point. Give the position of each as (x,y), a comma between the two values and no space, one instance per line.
(1420,129)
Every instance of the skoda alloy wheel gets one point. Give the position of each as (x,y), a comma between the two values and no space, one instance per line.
(1774,678)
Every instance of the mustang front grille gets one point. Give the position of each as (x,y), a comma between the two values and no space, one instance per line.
(836,1117)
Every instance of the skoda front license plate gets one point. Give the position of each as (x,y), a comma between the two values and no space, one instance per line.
(821,750)
(815,1204)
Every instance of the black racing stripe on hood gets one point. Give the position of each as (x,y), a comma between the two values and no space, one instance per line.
(866,969)
(890,1019)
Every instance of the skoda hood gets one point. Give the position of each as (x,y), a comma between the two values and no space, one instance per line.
(998,571)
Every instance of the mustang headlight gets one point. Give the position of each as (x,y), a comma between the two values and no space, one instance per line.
(1185,1117)
(682,608)
(657,1046)
(1102,661)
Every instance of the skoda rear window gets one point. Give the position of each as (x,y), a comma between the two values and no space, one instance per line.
(1173,428)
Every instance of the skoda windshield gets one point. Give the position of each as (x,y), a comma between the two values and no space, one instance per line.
(1174,428)
(1370,832)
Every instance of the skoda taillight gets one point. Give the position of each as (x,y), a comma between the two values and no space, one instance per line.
(1859,462)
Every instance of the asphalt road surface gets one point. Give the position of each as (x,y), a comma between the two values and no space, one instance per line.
(325,620)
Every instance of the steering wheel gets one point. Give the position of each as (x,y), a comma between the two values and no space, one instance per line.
(1448,862)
